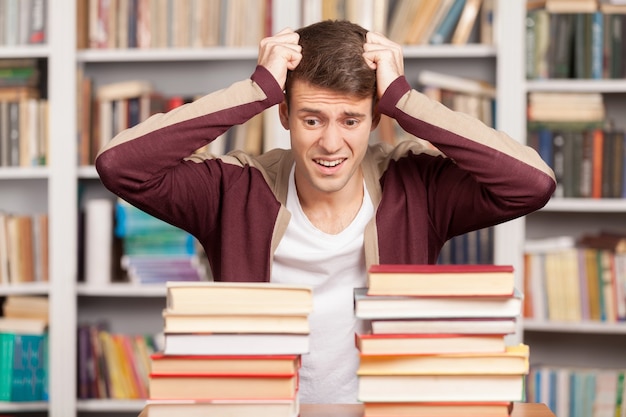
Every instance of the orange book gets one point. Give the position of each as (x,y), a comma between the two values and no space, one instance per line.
(230,365)
(412,344)
(211,386)
(596,164)
(439,409)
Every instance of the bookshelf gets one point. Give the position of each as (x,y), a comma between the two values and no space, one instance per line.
(590,345)
(62,187)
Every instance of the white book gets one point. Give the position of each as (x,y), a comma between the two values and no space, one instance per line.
(236,344)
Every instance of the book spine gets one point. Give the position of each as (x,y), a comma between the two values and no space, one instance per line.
(443,32)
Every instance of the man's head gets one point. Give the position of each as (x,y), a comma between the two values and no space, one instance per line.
(332,58)
(330,110)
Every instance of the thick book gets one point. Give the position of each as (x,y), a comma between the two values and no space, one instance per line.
(453,325)
(228,365)
(238,298)
(444,280)
(412,307)
(210,386)
(423,344)
(513,360)
(222,408)
(456,83)
(234,323)
(452,388)
(236,344)
(439,409)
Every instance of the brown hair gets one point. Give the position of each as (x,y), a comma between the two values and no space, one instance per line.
(332,58)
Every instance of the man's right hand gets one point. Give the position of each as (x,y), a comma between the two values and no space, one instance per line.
(280,53)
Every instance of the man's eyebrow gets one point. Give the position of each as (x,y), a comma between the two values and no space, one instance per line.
(318,111)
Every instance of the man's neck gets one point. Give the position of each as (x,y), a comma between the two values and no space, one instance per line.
(333,212)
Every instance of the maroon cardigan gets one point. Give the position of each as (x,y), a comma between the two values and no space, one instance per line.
(234,204)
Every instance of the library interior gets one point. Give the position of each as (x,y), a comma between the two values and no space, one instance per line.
(107,310)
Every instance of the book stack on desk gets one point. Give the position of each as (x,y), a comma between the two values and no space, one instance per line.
(436,343)
(230,349)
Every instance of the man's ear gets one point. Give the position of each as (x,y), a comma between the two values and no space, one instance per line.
(283,114)
(375,117)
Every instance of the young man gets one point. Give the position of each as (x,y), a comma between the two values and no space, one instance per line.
(323,211)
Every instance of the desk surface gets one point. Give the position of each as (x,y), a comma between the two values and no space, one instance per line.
(350,410)
(355,410)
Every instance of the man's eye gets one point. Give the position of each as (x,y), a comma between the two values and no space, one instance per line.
(311,122)
(352,122)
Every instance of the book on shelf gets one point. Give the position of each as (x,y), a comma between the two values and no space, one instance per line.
(236,344)
(234,323)
(564,107)
(488,20)
(404,307)
(440,388)
(450,326)
(239,298)
(433,280)
(23,248)
(99,241)
(467,21)
(23,325)
(23,366)
(196,24)
(279,407)
(571,6)
(577,390)
(26,306)
(456,83)
(407,344)
(446,26)
(513,360)
(421,21)
(208,386)
(224,364)
(112,365)
(439,409)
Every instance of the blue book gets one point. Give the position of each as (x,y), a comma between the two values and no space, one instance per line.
(445,28)
(597,45)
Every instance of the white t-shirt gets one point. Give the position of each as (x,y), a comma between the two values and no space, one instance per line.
(333,265)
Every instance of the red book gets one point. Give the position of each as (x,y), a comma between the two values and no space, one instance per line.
(225,365)
(441,280)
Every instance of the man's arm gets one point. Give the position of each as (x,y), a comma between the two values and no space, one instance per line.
(499,178)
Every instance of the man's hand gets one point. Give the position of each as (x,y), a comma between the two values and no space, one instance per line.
(385,57)
(280,53)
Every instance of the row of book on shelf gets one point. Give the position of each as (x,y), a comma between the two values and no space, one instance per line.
(576,279)
(573,134)
(112,107)
(23,113)
(125,244)
(577,391)
(23,22)
(113,365)
(434,342)
(23,248)
(575,39)
(123,24)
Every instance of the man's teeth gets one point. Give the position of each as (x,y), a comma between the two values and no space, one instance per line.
(329,163)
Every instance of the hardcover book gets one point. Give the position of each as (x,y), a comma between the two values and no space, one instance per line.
(412,307)
(440,280)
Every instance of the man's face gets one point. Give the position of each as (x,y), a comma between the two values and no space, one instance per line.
(329,137)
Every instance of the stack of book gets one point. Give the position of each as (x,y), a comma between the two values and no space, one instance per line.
(230,349)
(437,343)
